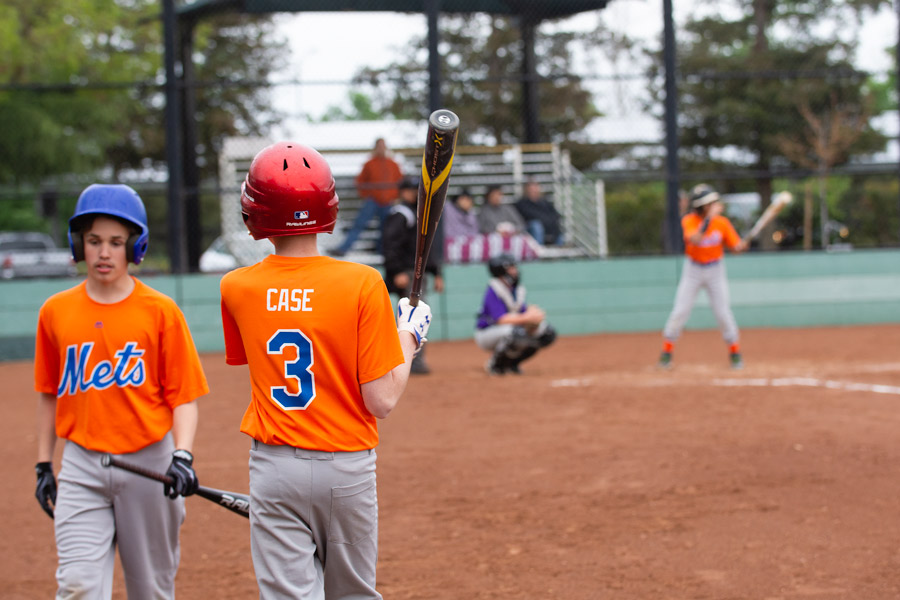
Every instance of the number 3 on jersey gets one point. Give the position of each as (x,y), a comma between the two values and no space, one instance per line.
(298,369)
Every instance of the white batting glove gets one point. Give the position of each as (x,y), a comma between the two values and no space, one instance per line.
(414,319)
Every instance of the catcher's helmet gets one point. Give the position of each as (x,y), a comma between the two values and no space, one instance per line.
(114,200)
(499,264)
(702,195)
(289,190)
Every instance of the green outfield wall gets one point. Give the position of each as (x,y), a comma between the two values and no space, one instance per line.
(778,289)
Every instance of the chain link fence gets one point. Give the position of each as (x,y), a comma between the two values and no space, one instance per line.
(605,174)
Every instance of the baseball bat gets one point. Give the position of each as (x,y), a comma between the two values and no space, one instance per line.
(768,215)
(236,503)
(437,160)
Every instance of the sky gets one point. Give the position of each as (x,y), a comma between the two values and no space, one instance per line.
(327,49)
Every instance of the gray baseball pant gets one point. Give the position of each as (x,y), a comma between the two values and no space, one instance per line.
(490,337)
(313,523)
(714,279)
(99,508)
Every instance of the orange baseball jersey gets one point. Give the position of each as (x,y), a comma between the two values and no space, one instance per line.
(117,370)
(720,233)
(312,330)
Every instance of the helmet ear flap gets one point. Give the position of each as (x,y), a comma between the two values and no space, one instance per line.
(136,246)
(131,246)
(76,243)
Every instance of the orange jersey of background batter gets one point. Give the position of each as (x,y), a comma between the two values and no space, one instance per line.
(117,370)
(720,233)
(311,330)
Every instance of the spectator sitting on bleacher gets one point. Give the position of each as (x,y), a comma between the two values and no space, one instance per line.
(541,218)
(498,216)
(464,242)
(460,219)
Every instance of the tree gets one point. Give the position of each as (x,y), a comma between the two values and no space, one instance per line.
(743,80)
(234,56)
(482,58)
(83,85)
(361,110)
(825,143)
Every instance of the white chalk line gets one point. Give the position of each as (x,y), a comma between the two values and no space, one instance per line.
(831,384)
(813,382)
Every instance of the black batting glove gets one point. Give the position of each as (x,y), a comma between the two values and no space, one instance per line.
(46,487)
(184,479)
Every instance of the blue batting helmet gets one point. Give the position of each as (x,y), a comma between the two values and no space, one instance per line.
(114,200)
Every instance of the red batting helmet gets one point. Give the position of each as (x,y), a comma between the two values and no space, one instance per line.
(289,190)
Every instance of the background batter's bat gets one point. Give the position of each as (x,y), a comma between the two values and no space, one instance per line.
(780,201)
(237,503)
(437,160)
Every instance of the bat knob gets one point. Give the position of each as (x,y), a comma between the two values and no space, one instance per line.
(444,120)
(106,460)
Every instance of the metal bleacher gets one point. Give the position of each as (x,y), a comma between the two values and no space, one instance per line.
(579,200)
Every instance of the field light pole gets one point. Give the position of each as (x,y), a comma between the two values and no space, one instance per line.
(173,144)
(672,237)
(435,98)
(897,66)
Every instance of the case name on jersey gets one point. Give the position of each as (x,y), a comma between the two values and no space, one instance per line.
(125,372)
(288,300)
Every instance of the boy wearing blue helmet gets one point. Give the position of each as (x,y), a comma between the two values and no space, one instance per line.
(118,373)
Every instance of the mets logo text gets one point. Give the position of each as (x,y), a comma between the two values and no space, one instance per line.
(128,369)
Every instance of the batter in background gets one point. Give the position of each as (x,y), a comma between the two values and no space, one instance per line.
(512,330)
(118,373)
(326,360)
(706,234)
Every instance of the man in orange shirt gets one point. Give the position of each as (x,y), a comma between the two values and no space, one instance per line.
(377,184)
(118,373)
(706,234)
(326,360)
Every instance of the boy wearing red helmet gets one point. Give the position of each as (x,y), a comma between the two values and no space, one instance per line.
(118,373)
(326,360)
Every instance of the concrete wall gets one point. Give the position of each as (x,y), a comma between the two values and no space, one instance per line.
(580,296)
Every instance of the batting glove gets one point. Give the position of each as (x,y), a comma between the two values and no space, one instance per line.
(181,473)
(414,319)
(46,487)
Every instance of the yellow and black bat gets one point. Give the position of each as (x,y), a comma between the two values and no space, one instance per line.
(437,160)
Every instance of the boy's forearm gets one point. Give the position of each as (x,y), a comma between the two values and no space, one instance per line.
(46,433)
(184,425)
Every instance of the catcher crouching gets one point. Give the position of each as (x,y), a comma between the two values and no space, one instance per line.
(512,330)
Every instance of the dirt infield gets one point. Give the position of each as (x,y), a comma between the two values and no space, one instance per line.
(593,475)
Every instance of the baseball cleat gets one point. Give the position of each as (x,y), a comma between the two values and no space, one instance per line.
(665,361)
(737,363)
(491,367)
(418,366)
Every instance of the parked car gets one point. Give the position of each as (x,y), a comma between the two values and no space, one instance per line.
(238,249)
(217,258)
(33,254)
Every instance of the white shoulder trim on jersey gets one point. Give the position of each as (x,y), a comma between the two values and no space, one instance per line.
(513,304)
(407,213)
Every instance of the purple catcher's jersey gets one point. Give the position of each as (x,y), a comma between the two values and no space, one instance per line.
(492,308)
